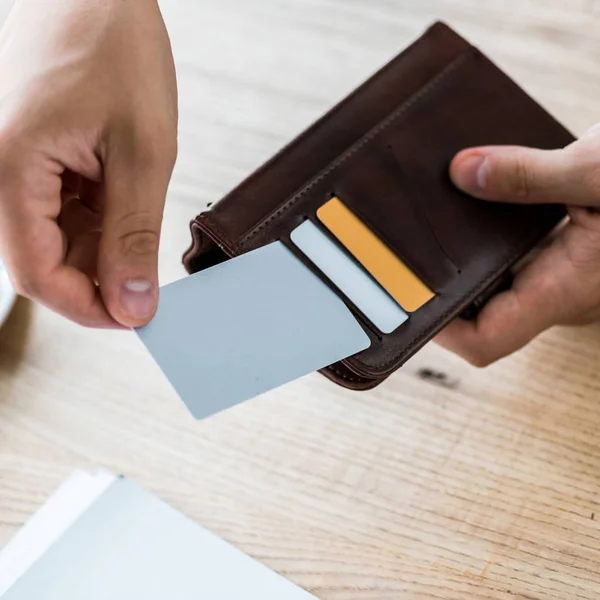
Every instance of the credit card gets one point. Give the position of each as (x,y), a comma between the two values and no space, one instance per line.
(247,326)
(376,257)
(349,277)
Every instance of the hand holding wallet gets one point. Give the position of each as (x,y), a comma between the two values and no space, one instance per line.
(372,175)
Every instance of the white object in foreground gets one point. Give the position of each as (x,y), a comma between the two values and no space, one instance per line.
(102,536)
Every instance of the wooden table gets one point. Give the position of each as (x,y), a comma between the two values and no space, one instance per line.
(476,484)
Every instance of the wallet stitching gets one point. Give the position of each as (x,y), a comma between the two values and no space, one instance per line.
(215,227)
(399,112)
(347,377)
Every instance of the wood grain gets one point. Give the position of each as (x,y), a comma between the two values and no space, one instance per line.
(446,482)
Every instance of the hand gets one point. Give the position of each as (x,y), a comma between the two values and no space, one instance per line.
(88,140)
(561,286)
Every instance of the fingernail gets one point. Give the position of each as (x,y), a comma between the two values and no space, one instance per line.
(138,299)
(473,173)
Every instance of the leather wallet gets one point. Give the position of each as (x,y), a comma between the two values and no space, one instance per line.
(385,152)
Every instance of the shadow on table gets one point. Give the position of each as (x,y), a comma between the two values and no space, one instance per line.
(14,336)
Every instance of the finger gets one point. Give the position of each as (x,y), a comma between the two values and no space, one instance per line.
(137,174)
(71,182)
(505,325)
(71,293)
(83,254)
(34,246)
(91,195)
(81,224)
(541,297)
(38,272)
(77,218)
(70,186)
(515,174)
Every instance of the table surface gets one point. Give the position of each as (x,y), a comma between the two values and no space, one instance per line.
(474,484)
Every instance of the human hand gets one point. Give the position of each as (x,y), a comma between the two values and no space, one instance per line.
(88,141)
(561,286)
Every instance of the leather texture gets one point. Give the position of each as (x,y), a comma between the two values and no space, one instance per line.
(385,152)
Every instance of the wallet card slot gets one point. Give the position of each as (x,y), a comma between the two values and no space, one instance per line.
(374,255)
(375,190)
(370,328)
(349,277)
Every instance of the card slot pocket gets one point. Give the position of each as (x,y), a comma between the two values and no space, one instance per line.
(374,255)
(375,335)
(377,192)
(349,277)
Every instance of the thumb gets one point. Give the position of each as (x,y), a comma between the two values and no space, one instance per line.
(135,193)
(517,174)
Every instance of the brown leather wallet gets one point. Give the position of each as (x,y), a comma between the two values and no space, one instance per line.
(385,151)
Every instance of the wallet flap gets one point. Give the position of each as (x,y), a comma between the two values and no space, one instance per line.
(263,192)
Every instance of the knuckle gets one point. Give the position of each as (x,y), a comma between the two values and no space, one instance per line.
(479,361)
(146,142)
(11,163)
(520,182)
(156,145)
(167,143)
(591,180)
(28,284)
(139,240)
(584,168)
(165,157)
(172,151)
(481,354)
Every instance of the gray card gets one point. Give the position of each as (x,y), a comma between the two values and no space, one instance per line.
(246,326)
